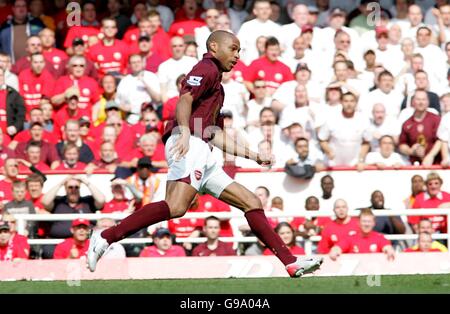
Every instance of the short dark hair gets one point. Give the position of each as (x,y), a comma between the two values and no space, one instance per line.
(272,41)
(348,94)
(33,144)
(266,109)
(385,73)
(211,218)
(301,139)
(265,189)
(34,177)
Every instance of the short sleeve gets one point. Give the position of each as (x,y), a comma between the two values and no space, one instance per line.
(198,81)
(324,132)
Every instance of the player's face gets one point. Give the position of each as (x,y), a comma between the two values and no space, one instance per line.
(367,223)
(228,52)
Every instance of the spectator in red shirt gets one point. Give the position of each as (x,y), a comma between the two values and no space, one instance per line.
(33,158)
(187,19)
(20,240)
(53,55)
(36,133)
(417,187)
(309,227)
(418,138)
(11,250)
(108,159)
(89,90)
(71,158)
(72,136)
(11,168)
(119,202)
(160,39)
(268,68)
(110,54)
(35,184)
(365,240)
(69,112)
(5,151)
(287,234)
(213,246)
(424,244)
(163,245)
(152,59)
(433,197)
(34,45)
(341,227)
(149,146)
(76,246)
(35,82)
(169,107)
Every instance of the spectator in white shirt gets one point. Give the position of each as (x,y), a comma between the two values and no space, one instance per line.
(171,69)
(236,97)
(345,139)
(255,105)
(10,78)
(386,54)
(381,125)
(421,82)
(343,80)
(202,33)
(291,31)
(415,17)
(385,94)
(386,156)
(303,165)
(238,14)
(137,88)
(251,30)
(434,58)
(441,23)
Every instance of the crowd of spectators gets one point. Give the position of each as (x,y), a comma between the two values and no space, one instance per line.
(318,85)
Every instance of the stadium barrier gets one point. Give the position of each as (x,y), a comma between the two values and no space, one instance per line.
(22,220)
(74,271)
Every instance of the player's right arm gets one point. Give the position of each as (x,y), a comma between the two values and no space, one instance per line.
(183,114)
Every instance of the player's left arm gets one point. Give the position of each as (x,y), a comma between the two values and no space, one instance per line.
(227,144)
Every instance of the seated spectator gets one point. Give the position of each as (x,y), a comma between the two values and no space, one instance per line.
(366,240)
(35,184)
(386,156)
(148,123)
(433,197)
(381,125)
(255,105)
(208,203)
(151,147)
(163,245)
(54,55)
(12,113)
(310,226)
(385,224)
(345,138)
(303,166)
(11,250)
(418,139)
(426,226)
(136,88)
(422,83)
(327,200)
(71,158)
(76,246)
(213,246)
(16,238)
(287,234)
(10,78)
(71,203)
(108,159)
(47,115)
(417,187)
(33,158)
(106,102)
(120,203)
(78,48)
(33,46)
(341,227)
(152,59)
(72,136)
(35,82)
(69,112)
(424,244)
(48,153)
(5,151)
(6,184)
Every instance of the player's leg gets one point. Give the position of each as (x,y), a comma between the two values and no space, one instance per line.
(238,196)
(179,196)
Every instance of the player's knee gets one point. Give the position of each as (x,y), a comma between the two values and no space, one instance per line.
(177,209)
(252,202)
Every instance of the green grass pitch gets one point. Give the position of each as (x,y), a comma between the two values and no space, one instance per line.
(388,284)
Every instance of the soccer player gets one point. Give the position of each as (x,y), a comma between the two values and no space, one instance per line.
(192,168)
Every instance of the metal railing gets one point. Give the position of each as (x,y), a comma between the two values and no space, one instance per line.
(22,220)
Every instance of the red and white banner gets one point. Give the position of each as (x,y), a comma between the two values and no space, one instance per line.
(220,267)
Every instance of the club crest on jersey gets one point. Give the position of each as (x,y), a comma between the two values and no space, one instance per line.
(194,80)
(198,174)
